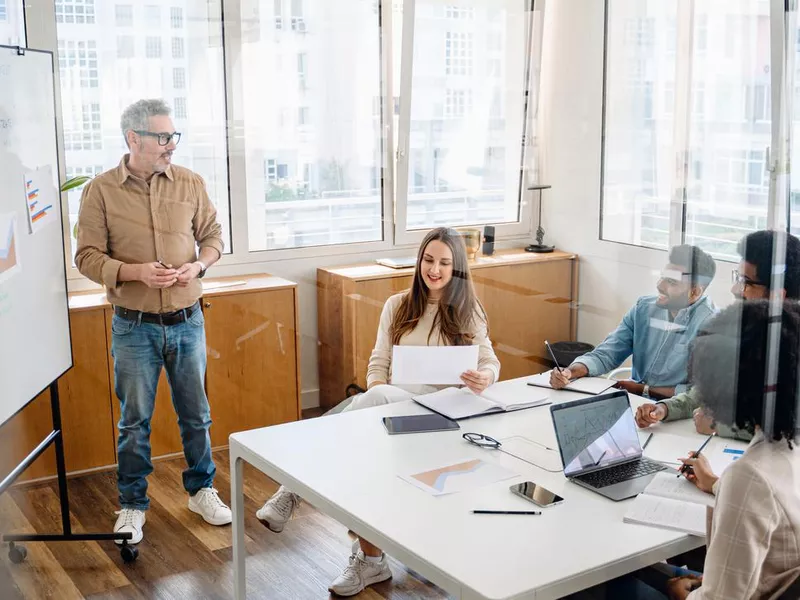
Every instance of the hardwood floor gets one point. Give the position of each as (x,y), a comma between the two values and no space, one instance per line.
(181,557)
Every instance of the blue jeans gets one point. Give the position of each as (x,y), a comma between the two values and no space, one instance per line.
(140,351)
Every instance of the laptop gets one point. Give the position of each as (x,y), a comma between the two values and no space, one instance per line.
(600,447)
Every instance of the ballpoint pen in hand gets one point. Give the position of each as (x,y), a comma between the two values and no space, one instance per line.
(685,467)
(553,356)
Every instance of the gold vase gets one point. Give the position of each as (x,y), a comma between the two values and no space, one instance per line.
(472,240)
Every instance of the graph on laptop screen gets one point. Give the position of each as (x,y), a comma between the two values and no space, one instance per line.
(596,432)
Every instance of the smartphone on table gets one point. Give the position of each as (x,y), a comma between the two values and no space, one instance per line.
(536,493)
(418,424)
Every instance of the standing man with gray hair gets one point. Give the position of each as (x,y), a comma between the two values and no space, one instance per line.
(138,229)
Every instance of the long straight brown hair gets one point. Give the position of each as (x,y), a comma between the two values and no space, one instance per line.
(458,305)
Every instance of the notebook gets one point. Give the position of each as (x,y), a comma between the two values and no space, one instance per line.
(584,385)
(460,403)
(671,502)
(666,513)
(397,263)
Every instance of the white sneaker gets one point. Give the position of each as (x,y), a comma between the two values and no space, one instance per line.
(130,520)
(359,574)
(207,504)
(278,509)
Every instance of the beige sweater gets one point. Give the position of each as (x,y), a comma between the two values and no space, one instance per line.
(380,362)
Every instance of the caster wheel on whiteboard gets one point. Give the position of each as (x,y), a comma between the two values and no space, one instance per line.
(17,554)
(129,553)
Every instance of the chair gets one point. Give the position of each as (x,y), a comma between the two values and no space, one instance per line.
(620,371)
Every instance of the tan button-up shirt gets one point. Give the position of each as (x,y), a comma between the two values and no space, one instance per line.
(125,220)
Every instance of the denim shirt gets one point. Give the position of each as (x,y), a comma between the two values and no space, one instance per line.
(660,347)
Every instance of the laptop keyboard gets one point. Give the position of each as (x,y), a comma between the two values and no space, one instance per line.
(624,472)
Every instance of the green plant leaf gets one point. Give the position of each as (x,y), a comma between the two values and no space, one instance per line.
(74,182)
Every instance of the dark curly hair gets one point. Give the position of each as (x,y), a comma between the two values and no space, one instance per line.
(757,248)
(729,366)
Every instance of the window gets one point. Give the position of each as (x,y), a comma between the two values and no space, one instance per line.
(458,53)
(443,178)
(152,16)
(302,67)
(334,200)
(457,103)
(459,12)
(152,47)
(179,78)
(176,17)
(278,12)
(75,11)
(179,108)
(726,104)
(298,22)
(77,64)
(177,47)
(123,14)
(3,11)
(83,131)
(125,46)
(94,92)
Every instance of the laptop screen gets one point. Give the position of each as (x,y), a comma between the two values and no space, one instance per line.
(595,432)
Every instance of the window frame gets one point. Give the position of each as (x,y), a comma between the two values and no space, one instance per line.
(393,205)
(685,98)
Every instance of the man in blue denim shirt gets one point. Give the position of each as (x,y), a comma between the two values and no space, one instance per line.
(657,331)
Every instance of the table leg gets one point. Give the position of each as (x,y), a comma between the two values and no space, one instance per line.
(237,506)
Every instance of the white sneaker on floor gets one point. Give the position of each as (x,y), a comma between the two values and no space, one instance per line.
(278,510)
(208,505)
(359,574)
(130,520)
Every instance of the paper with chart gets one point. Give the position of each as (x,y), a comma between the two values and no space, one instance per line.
(41,204)
(461,476)
(723,456)
(9,256)
(432,365)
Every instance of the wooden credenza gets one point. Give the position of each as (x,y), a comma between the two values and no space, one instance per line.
(252,380)
(528,298)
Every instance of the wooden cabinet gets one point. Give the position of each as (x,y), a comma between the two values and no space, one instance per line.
(528,298)
(252,380)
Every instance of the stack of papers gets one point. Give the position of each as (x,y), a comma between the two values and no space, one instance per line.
(584,385)
(671,502)
(461,403)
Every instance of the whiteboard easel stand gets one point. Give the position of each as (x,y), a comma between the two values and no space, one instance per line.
(17,552)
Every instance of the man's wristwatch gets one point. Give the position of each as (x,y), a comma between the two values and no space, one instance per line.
(646,391)
(203,268)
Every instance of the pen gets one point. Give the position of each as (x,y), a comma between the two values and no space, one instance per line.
(506,512)
(647,441)
(553,356)
(161,262)
(696,454)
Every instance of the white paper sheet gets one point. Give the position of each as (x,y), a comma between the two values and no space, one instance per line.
(432,365)
(669,485)
(462,476)
(723,456)
(667,514)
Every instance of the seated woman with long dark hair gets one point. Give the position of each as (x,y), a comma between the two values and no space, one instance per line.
(440,309)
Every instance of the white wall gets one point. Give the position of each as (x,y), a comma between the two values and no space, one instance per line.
(612,275)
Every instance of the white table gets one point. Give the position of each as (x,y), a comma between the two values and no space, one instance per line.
(346,466)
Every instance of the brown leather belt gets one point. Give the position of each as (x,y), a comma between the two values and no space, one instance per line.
(170,318)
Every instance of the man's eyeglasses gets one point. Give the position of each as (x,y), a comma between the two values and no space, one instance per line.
(743,280)
(163,138)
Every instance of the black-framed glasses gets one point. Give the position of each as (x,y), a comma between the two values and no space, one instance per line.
(163,138)
(484,441)
(738,278)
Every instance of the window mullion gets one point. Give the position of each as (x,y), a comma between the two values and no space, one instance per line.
(783,25)
(683,116)
(388,189)
(404,124)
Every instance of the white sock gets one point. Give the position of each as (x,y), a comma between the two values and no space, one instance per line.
(373,559)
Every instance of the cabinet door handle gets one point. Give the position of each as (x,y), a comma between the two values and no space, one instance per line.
(207,305)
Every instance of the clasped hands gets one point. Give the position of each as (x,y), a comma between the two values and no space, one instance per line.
(158,275)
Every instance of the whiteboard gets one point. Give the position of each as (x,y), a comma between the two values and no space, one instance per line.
(35,346)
